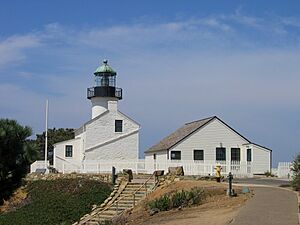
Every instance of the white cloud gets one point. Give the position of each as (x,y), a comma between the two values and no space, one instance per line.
(12,48)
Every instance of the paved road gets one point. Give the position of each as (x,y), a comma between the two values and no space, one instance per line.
(262,181)
(269,206)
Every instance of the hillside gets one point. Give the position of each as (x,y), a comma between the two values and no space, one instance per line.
(52,202)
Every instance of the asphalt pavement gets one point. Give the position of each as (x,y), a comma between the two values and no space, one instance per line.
(270,205)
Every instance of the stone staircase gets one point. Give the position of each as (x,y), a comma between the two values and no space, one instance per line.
(127,195)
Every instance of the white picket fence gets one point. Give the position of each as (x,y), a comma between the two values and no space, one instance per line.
(203,168)
(284,170)
(238,169)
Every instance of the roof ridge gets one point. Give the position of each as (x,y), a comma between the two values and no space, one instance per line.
(195,121)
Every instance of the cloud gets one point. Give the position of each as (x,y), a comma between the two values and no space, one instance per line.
(12,48)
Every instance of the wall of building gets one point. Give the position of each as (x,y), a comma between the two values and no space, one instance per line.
(59,159)
(124,148)
(102,129)
(261,160)
(213,135)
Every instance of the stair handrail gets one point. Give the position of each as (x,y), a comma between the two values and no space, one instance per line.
(116,202)
(133,194)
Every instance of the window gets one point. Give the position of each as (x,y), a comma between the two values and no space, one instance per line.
(198,155)
(249,156)
(69,151)
(220,154)
(235,154)
(175,155)
(118,125)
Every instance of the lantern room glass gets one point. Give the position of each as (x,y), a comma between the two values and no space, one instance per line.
(105,81)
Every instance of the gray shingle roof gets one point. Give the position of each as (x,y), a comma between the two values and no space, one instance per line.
(179,135)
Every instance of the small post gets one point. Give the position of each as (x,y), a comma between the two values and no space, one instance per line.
(230,178)
(113,175)
(146,189)
(133,199)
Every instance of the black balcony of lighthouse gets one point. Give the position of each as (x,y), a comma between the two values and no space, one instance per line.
(105,83)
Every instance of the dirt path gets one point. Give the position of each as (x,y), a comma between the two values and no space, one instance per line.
(270,206)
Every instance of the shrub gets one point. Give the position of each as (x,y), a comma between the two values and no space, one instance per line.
(269,174)
(296,170)
(196,196)
(178,199)
(162,203)
(295,183)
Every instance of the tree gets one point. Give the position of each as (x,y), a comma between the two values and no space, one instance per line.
(296,170)
(16,154)
(54,136)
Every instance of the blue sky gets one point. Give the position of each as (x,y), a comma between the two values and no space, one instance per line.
(177,61)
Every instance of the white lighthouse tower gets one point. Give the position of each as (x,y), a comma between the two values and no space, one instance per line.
(107,138)
(104,95)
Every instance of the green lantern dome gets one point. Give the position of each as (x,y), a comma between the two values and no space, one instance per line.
(105,69)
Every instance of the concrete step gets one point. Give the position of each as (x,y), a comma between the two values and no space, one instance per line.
(130,187)
(125,201)
(107,213)
(133,191)
(121,207)
(125,197)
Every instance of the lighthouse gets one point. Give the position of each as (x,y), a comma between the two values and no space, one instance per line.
(104,95)
(108,138)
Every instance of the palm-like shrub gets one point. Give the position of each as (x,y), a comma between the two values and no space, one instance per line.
(16,153)
(296,173)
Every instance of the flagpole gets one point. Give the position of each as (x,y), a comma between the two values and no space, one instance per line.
(46,135)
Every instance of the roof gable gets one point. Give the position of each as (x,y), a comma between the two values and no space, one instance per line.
(180,134)
(185,131)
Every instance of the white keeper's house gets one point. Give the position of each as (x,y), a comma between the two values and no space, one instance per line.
(109,136)
(201,145)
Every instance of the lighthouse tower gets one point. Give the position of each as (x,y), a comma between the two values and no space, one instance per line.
(104,95)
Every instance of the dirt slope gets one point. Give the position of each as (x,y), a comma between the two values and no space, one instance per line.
(218,209)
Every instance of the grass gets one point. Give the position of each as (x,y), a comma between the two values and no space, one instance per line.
(57,202)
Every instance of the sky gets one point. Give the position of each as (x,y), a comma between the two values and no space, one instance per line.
(177,61)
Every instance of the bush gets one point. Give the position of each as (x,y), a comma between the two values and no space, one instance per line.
(295,183)
(269,174)
(178,199)
(163,203)
(16,154)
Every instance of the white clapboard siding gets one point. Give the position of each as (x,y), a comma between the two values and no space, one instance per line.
(208,138)
(261,159)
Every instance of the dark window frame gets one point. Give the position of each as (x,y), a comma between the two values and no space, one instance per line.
(249,155)
(177,157)
(69,151)
(118,126)
(235,154)
(220,154)
(199,154)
